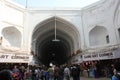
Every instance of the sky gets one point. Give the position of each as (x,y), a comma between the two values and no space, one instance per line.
(56,3)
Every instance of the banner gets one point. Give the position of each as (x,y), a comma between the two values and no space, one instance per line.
(98,56)
(15,58)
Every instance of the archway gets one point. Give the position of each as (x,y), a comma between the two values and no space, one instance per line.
(46,50)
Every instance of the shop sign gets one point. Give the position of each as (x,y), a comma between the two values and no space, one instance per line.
(13,58)
(99,56)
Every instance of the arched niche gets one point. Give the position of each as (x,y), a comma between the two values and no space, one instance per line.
(98,36)
(118,24)
(12,37)
(116,20)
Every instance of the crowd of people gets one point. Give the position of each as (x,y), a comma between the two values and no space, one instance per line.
(54,72)
(60,72)
(96,69)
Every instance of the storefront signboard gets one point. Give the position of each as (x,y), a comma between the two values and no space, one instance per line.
(98,56)
(14,58)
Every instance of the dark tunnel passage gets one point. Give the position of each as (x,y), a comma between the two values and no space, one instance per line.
(55,52)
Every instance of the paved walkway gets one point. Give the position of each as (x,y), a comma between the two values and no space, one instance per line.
(83,78)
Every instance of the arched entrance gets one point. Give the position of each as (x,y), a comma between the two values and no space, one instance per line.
(46,50)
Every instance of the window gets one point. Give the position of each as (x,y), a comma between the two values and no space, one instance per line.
(107,39)
(119,32)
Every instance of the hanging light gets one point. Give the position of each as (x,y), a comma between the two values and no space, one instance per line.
(55,39)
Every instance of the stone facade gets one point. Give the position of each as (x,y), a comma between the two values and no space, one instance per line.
(91,29)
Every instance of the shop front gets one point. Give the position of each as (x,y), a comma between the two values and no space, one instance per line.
(7,61)
(102,62)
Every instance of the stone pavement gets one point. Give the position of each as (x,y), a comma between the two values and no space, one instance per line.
(84,78)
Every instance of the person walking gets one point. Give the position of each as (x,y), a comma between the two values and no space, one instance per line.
(116,71)
(56,73)
(67,73)
(75,72)
(51,73)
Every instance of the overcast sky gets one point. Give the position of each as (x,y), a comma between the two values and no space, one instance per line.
(56,3)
